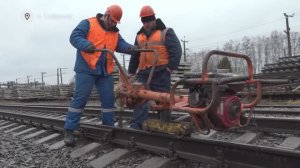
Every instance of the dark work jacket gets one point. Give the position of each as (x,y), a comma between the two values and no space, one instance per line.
(172,43)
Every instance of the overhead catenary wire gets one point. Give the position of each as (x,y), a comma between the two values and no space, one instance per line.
(218,43)
(237,31)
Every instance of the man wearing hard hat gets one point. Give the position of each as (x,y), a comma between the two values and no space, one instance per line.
(95,68)
(154,35)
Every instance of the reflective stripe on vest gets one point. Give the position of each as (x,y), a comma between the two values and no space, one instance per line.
(100,39)
(155,41)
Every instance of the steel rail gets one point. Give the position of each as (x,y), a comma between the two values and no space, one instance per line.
(275,124)
(278,106)
(275,111)
(223,154)
(269,124)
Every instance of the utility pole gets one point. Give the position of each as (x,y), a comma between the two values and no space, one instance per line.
(34,82)
(184,49)
(57,74)
(28,76)
(17,80)
(43,78)
(61,78)
(287,31)
(61,81)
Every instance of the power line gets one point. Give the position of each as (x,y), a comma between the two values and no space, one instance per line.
(276,20)
(222,41)
(215,43)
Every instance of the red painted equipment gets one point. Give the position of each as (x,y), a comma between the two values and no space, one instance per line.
(212,101)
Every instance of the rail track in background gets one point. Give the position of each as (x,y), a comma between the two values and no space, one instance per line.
(241,147)
(282,118)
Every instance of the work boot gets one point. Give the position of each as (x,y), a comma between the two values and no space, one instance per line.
(69,138)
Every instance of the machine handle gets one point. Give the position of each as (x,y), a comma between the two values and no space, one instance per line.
(122,71)
(229,54)
(153,66)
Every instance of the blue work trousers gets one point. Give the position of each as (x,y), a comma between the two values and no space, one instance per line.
(83,86)
(161,82)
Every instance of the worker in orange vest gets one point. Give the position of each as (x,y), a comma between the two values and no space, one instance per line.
(154,35)
(95,68)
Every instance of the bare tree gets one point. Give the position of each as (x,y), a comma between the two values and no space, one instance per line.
(261,49)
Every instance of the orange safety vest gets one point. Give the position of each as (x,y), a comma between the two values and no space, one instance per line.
(100,38)
(155,41)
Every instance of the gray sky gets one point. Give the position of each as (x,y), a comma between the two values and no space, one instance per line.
(41,43)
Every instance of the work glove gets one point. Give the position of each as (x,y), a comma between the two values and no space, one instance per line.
(90,49)
(132,49)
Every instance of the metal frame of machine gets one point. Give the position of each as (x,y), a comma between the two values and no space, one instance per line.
(221,110)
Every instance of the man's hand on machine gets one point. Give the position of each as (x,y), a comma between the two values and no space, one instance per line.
(90,49)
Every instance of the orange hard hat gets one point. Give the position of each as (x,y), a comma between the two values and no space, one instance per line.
(115,11)
(146,11)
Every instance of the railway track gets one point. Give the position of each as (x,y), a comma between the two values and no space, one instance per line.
(233,148)
(284,119)
(278,118)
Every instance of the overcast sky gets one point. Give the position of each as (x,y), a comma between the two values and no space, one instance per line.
(41,43)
